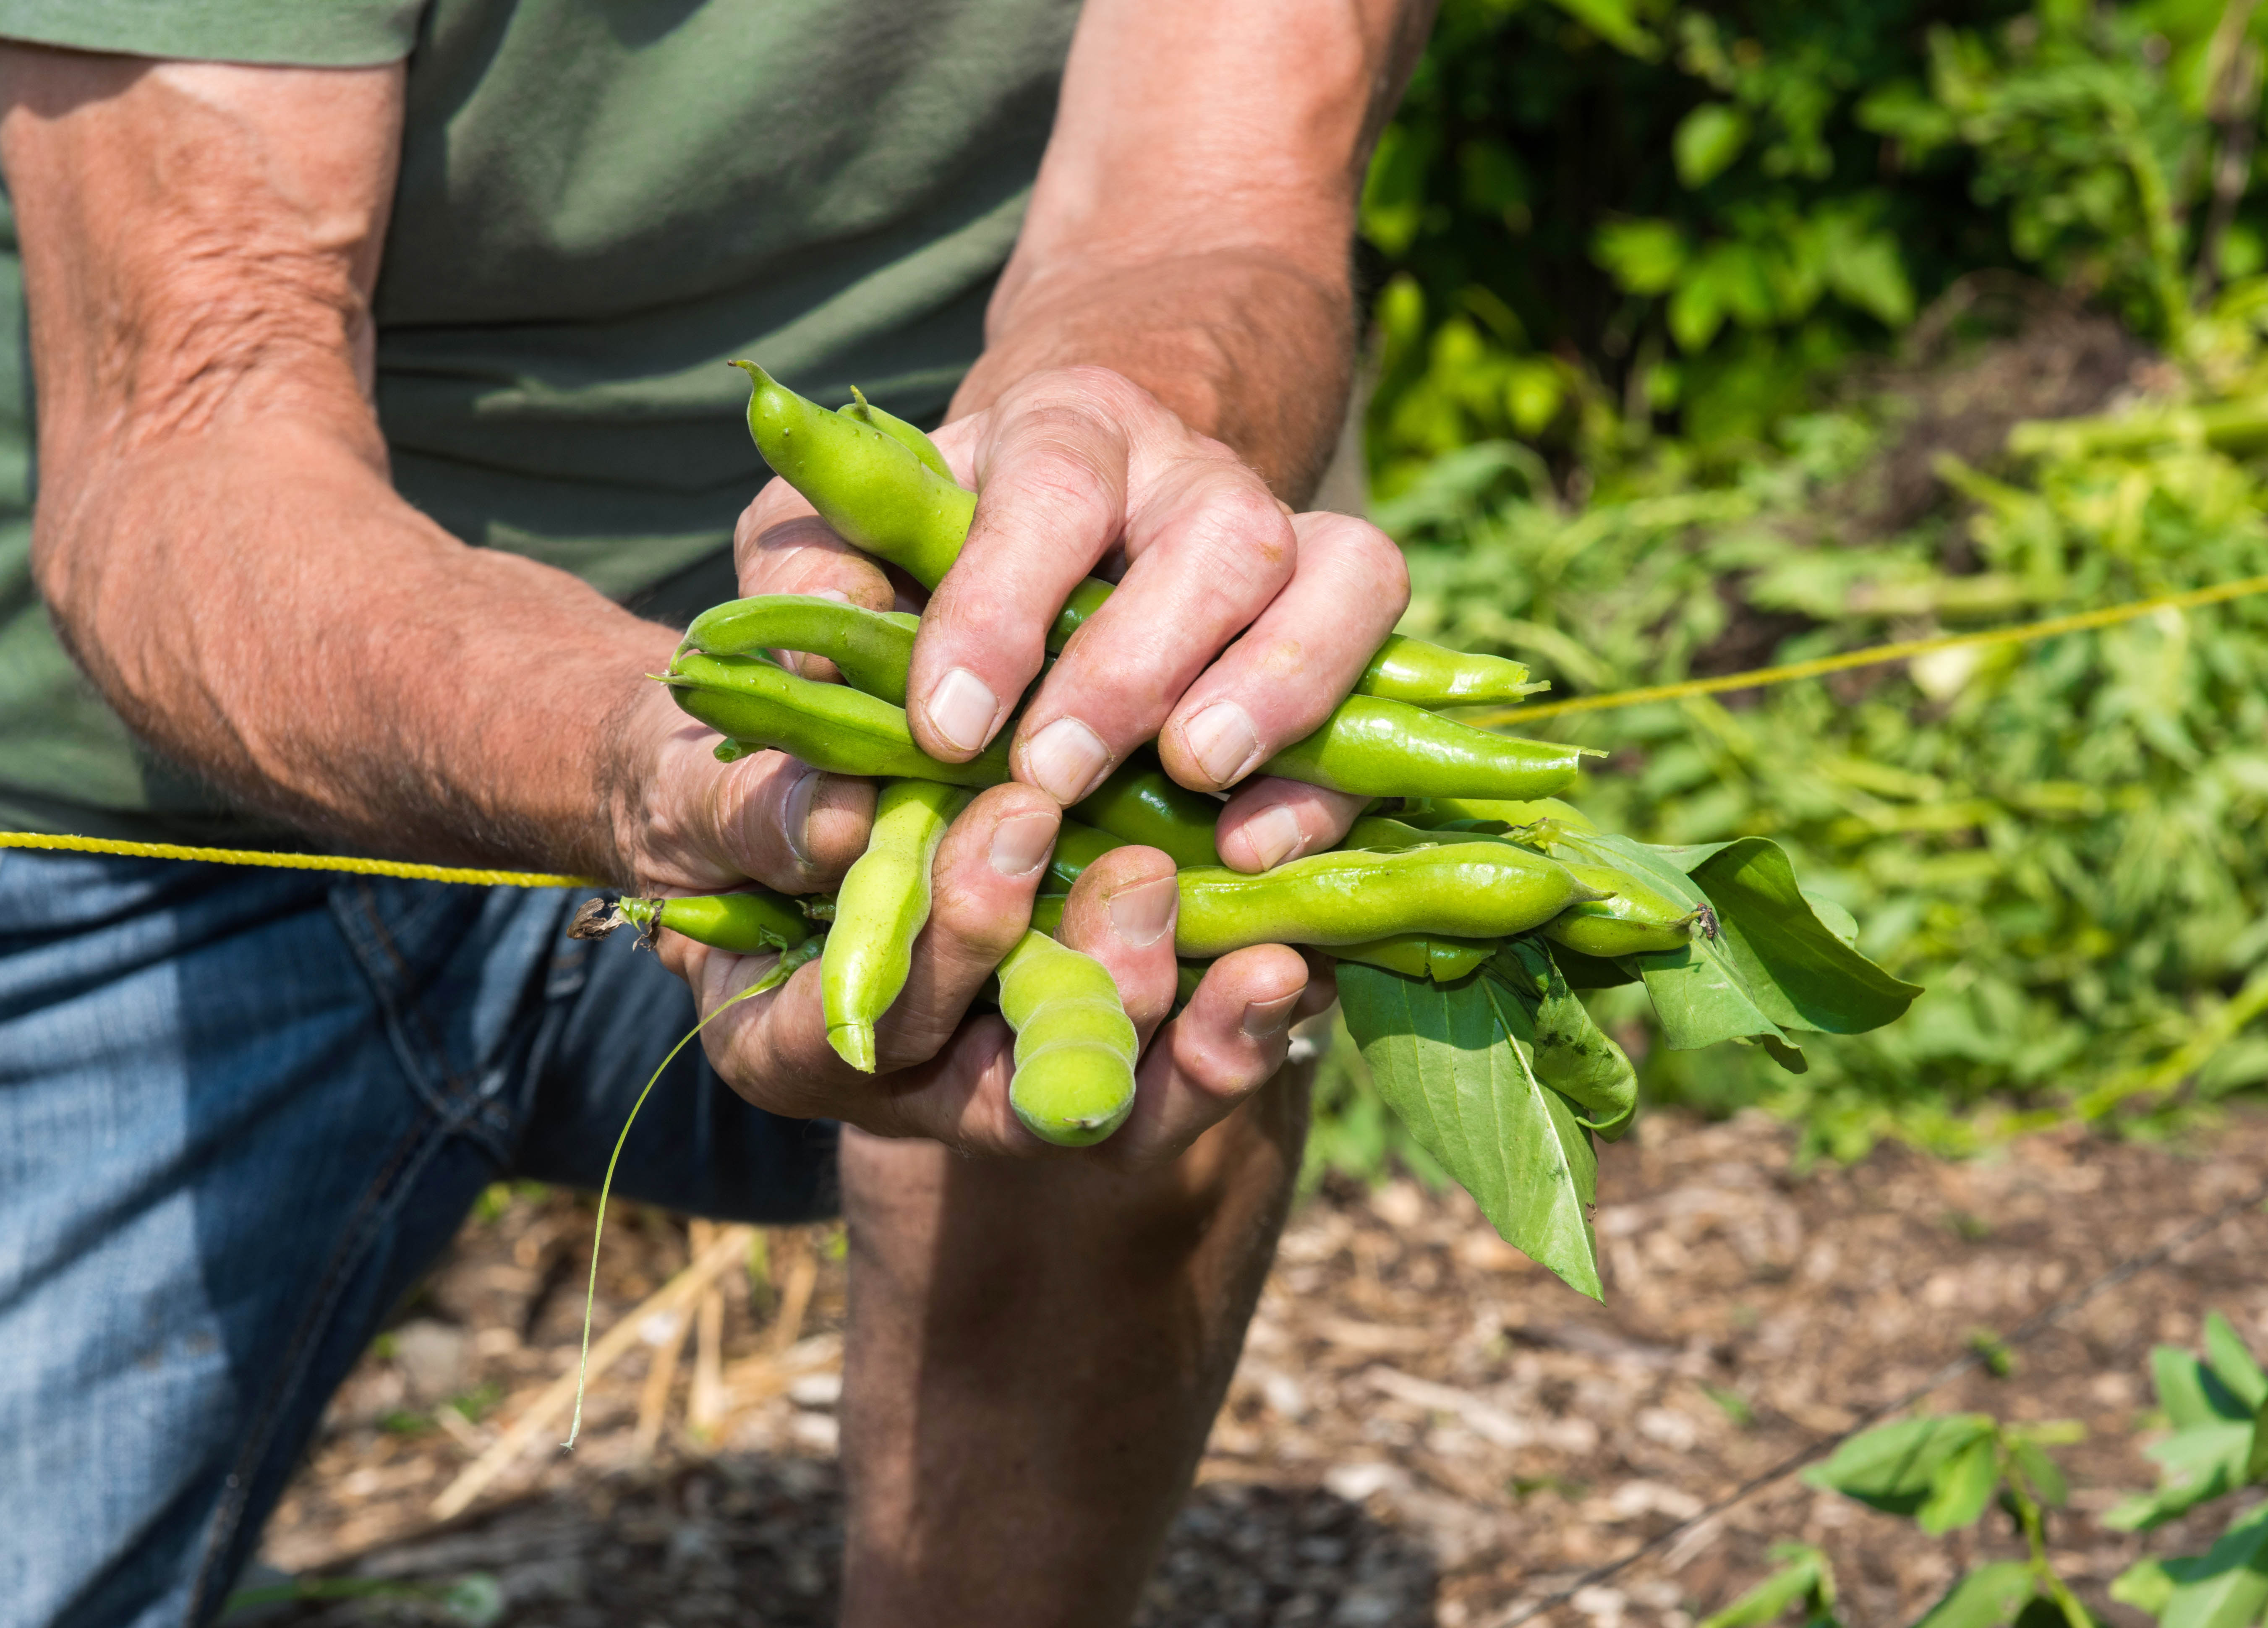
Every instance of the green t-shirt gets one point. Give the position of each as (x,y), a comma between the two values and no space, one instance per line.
(599,202)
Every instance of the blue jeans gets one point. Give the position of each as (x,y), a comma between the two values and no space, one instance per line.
(240,1113)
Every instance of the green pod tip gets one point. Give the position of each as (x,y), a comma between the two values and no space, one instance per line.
(1085,1092)
(854,1044)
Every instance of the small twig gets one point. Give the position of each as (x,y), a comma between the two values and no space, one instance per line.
(706,1406)
(795,1297)
(653,1399)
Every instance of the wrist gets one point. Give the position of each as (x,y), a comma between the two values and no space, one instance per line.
(1246,347)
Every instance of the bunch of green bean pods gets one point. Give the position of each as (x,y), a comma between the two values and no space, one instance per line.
(1473,846)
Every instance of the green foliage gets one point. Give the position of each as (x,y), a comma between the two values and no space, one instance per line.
(1769,188)
(1501,1078)
(2051,838)
(1804,1578)
(1947,1471)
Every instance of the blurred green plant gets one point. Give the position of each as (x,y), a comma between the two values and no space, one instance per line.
(2059,840)
(1946,1473)
(1627,479)
(1642,231)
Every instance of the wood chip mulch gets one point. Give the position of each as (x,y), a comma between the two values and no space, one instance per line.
(1425,1429)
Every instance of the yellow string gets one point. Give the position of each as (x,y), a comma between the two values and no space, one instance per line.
(347,862)
(1875,654)
(1755,678)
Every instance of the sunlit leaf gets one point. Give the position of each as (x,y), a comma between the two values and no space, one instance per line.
(1457,1062)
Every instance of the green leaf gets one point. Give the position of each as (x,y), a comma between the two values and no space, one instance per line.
(1774,964)
(1799,1580)
(2231,1361)
(1458,1063)
(2197,1465)
(1699,993)
(2045,1475)
(1865,270)
(2226,1587)
(1962,1488)
(2145,1586)
(1645,257)
(1613,22)
(1810,977)
(1708,139)
(1573,1056)
(2255,1453)
(1987,1597)
(2192,1393)
(1894,1467)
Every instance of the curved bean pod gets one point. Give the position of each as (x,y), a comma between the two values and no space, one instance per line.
(880,910)
(1432,674)
(872,647)
(747,924)
(1077,846)
(1431,811)
(1456,890)
(1075,1045)
(1421,955)
(1140,802)
(828,726)
(868,485)
(907,435)
(1373,748)
(1635,919)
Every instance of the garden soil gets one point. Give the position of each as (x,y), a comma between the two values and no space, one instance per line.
(1425,1428)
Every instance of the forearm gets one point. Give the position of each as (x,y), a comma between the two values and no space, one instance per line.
(1036,1355)
(260,606)
(1193,224)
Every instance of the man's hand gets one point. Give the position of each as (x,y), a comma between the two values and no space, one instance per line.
(944,1075)
(1222,647)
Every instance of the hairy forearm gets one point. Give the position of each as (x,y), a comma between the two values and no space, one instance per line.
(1254,348)
(260,606)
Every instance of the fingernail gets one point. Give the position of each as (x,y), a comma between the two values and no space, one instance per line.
(1020,846)
(962,708)
(1263,1018)
(835,594)
(795,815)
(1140,915)
(1274,835)
(1066,759)
(1223,741)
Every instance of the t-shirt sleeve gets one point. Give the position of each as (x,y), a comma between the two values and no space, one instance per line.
(306,34)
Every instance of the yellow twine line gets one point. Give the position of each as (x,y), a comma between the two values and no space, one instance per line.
(1755,678)
(350,864)
(1875,655)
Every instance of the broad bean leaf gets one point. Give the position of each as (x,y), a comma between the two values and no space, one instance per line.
(2046,1477)
(1895,1467)
(1986,1598)
(1787,963)
(1573,1056)
(2196,1465)
(2232,1362)
(2216,1442)
(1803,1576)
(2226,1587)
(1961,1489)
(1700,994)
(1458,1062)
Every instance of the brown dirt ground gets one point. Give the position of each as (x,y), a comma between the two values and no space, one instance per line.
(1425,1428)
